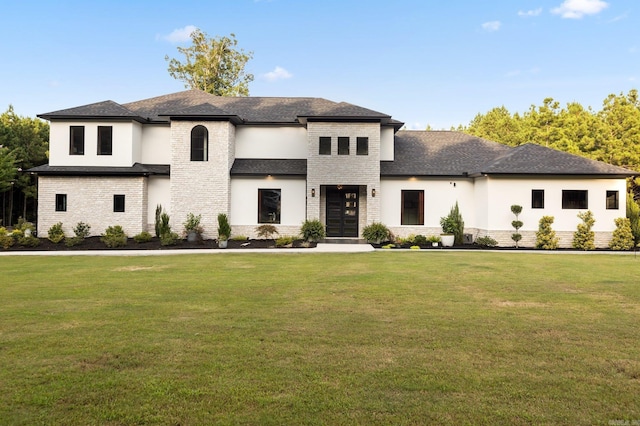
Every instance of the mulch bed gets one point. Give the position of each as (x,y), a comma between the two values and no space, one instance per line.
(94,243)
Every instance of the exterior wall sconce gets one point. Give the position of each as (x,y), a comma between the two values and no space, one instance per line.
(373,192)
(313,192)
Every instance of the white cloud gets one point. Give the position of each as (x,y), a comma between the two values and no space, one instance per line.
(180,35)
(278,73)
(491,26)
(528,13)
(576,9)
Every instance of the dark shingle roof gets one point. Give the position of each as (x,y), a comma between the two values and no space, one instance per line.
(106,109)
(136,170)
(264,167)
(447,153)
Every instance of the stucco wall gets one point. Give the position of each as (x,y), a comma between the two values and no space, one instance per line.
(158,194)
(90,200)
(156,144)
(271,142)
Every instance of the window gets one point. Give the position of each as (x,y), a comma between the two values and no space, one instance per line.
(118,203)
(612,200)
(574,199)
(343,145)
(325,145)
(537,198)
(412,208)
(199,144)
(105,136)
(362,146)
(61,202)
(76,140)
(269,205)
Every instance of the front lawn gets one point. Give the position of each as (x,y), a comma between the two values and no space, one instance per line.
(375,338)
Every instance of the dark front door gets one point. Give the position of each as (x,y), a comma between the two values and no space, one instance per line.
(342,211)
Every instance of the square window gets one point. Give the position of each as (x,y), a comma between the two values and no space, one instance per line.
(105,138)
(575,199)
(343,145)
(537,198)
(325,145)
(612,200)
(412,208)
(118,203)
(269,205)
(362,146)
(76,140)
(61,202)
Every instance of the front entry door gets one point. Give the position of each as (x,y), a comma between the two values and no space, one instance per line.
(342,211)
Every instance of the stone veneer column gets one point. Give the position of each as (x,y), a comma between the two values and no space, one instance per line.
(201,187)
(346,170)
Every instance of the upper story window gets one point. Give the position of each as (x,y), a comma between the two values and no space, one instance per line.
(575,199)
(76,140)
(412,205)
(537,198)
(325,145)
(199,144)
(613,200)
(105,140)
(343,145)
(362,146)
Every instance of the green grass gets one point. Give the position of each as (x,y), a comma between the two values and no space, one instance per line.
(374,338)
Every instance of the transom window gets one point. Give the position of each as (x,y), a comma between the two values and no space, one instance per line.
(362,146)
(61,202)
(118,203)
(105,140)
(269,205)
(537,198)
(199,144)
(612,200)
(76,140)
(343,145)
(575,199)
(412,207)
(325,145)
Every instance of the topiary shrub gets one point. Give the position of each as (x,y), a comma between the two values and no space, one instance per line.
(376,233)
(114,236)
(545,236)
(584,237)
(312,230)
(56,234)
(622,235)
(517,224)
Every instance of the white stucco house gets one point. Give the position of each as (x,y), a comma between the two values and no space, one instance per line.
(284,160)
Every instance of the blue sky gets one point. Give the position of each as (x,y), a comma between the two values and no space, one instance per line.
(423,62)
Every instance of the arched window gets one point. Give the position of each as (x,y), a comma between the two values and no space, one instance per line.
(199,144)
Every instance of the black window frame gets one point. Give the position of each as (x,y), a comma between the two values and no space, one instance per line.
(343,145)
(199,144)
(76,140)
(405,198)
(612,200)
(119,203)
(575,199)
(324,145)
(267,212)
(362,145)
(61,202)
(537,198)
(105,140)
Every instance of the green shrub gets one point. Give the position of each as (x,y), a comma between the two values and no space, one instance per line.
(312,230)
(545,236)
(284,241)
(192,224)
(420,240)
(169,239)
(239,238)
(633,214)
(82,230)
(415,247)
(453,224)
(158,221)
(6,240)
(114,236)
(163,225)
(29,241)
(224,228)
(56,234)
(584,237)
(376,233)
(517,224)
(486,241)
(143,237)
(622,235)
(73,241)
(266,231)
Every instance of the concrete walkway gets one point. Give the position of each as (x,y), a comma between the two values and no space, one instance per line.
(320,248)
